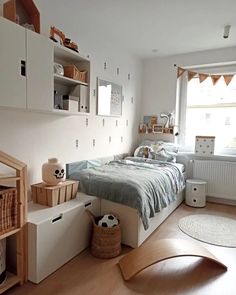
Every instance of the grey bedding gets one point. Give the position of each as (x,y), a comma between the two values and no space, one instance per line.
(147,186)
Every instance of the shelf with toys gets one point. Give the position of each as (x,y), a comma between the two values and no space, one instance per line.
(150,125)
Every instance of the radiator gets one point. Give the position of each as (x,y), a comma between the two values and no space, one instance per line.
(220,177)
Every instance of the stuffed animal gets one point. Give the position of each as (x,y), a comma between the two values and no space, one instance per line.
(108,220)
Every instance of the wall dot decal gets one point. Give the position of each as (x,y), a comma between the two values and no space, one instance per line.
(86,123)
(118,71)
(121,139)
(88,56)
(116,123)
(109,139)
(128,76)
(94,92)
(127,123)
(105,65)
(132,99)
(94,142)
(103,122)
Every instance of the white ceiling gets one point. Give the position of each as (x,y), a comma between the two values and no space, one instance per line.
(138,26)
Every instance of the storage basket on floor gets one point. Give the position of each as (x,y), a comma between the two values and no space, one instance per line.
(8,209)
(106,241)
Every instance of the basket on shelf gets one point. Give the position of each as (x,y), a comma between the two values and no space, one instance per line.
(106,241)
(72,72)
(8,209)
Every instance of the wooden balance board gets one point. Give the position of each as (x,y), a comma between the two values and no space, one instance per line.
(154,252)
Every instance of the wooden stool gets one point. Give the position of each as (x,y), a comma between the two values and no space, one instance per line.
(154,252)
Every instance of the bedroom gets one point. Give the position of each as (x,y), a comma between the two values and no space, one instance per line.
(149,87)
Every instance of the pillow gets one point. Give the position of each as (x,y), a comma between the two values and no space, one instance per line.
(158,145)
(143,151)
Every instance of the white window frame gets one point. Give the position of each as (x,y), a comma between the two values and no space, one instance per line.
(181,101)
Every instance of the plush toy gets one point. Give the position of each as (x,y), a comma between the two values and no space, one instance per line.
(108,220)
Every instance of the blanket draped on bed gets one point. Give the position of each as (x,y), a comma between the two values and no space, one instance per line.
(145,186)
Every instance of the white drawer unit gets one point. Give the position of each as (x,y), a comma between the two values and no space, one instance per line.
(195,193)
(57,234)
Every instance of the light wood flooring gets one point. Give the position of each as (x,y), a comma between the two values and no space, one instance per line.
(184,275)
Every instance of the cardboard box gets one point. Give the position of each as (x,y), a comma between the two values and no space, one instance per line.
(71,105)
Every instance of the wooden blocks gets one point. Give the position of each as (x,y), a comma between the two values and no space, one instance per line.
(154,252)
(54,195)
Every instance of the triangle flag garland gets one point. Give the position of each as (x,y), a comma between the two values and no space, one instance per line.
(215,79)
(202,77)
(180,71)
(191,75)
(228,79)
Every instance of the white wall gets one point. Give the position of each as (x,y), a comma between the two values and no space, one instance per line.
(34,137)
(159,77)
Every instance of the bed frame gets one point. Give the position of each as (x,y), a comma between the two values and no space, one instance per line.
(132,230)
(133,233)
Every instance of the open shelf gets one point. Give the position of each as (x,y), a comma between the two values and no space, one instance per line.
(8,178)
(9,233)
(68,81)
(66,112)
(11,281)
(64,53)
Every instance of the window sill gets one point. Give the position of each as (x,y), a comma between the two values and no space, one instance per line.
(220,157)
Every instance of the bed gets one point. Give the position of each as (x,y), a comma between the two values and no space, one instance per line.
(142,192)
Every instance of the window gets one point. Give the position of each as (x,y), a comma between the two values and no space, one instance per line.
(208,109)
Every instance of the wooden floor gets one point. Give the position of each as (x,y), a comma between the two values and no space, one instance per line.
(186,275)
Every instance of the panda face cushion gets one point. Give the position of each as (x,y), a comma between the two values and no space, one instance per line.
(108,220)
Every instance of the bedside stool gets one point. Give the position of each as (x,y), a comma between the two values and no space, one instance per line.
(195,193)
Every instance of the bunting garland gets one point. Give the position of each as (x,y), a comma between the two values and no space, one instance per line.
(180,71)
(215,78)
(191,75)
(202,77)
(228,79)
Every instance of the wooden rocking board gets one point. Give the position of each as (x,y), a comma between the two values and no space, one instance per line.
(154,252)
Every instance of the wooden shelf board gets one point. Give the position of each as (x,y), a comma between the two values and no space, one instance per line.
(69,113)
(64,53)
(8,178)
(68,81)
(11,280)
(9,233)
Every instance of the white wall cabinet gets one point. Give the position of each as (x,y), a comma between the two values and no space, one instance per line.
(12,61)
(57,234)
(39,72)
(27,79)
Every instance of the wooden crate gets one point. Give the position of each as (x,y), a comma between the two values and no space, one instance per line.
(54,195)
(8,209)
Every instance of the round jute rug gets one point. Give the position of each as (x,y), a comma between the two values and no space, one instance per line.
(211,229)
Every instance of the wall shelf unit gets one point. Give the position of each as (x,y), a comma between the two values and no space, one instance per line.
(63,85)
(14,200)
(30,65)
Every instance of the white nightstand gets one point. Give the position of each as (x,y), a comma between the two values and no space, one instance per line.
(195,193)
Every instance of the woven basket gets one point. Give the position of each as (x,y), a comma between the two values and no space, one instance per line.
(106,241)
(73,72)
(8,209)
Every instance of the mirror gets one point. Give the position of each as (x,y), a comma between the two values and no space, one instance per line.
(109,98)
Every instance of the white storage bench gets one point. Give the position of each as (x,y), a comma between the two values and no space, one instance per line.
(57,234)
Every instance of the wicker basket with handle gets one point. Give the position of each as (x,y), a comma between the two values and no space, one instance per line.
(106,241)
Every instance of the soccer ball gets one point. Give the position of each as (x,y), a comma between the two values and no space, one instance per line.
(108,220)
